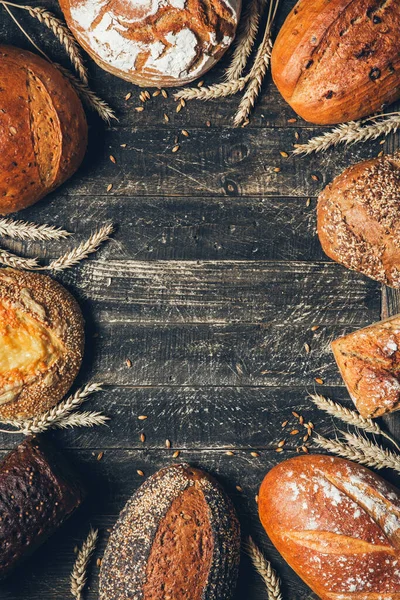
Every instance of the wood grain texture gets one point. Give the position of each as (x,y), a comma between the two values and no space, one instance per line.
(210,287)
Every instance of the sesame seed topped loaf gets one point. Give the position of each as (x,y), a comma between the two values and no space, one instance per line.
(338,60)
(369,362)
(358,219)
(41,343)
(177,538)
(38,491)
(43,130)
(337,524)
(154,42)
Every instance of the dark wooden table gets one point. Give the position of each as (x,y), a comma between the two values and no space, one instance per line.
(210,288)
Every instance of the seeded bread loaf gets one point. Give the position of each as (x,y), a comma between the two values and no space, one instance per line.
(177,538)
(369,362)
(38,491)
(154,42)
(338,60)
(358,219)
(43,131)
(41,343)
(337,524)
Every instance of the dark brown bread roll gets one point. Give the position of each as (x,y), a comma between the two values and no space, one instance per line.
(41,343)
(358,219)
(337,524)
(369,362)
(338,60)
(177,538)
(43,130)
(38,491)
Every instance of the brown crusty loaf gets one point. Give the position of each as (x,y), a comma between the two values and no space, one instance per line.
(337,524)
(38,491)
(369,362)
(358,219)
(338,60)
(155,42)
(41,343)
(43,130)
(178,537)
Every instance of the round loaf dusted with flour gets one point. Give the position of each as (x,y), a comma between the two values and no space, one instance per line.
(41,343)
(43,130)
(359,219)
(154,42)
(178,537)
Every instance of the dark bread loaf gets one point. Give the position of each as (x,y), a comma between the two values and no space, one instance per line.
(38,491)
(358,219)
(41,343)
(369,362)
(43,130)
(177,538)
(337,524)
(338,60)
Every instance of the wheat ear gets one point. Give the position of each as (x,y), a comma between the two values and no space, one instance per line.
(21,230)
(351,133)
(361,450)
(245,39)
(218,90)
(264,569)
(79,572)
(83,419)
(17,262)
(350,416)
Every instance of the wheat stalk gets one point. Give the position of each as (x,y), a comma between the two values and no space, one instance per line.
(16,262)
(217,90)
(21,230)
(83,419)
(245,39)
(360,450)
(350,416)
(351,133)
(264,569)
(79,573)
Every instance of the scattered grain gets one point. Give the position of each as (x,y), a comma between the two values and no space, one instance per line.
(164,93)
(109,187)
(306,437)
(281,443)
(139,108)
(142,438)
(256,498)
(295,414)
(284,424)
(123,145)
(12,130)
(229,453)
(128,96)
(305,449)
(112,158)
(142,417)
(277,169)
(255,454)
(166,118)
(381,153)
(278,449)
(156,93)
(319,380)
(292,120)
(301,420)
(239,488)
(128,363)
(296,135)
(179,108)
(201,83)
(314,177)
(100,455)
(283,153)
(140,472)
(315,327)
(208,123)
(176,454)
(307,348)
(185,133)
(167,444)
(175,148)
(294,432)
(147,95)
(98,562)
(308,202)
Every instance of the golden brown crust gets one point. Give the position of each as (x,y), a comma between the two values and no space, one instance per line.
(156,43)
(358,219)
(43,130)
(42,341)
(338,61)
(369,362)
(337,524)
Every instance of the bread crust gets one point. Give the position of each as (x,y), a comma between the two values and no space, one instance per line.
(358,219)
(337,61)
(181,519)
(43,129)
(337,524)
(36,310)
(159,43)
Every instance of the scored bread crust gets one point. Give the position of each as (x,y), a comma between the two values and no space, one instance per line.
(43,129)
(150,531)
(52,311)
(337,524)
(358,219)
(154,43)
(338,61)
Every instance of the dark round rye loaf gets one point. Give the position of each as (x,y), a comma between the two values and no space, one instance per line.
(38,491)
(177,538)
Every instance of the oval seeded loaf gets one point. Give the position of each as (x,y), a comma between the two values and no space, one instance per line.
(358,219)
(338,60)
(154,42)
(41,343)
(177,538)
(43,130)
(337,524)
(38,491)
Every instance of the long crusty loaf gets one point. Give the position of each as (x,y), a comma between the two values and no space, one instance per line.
(41,343)
(338,60)
(178,538)
(337,524)
(38,491)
